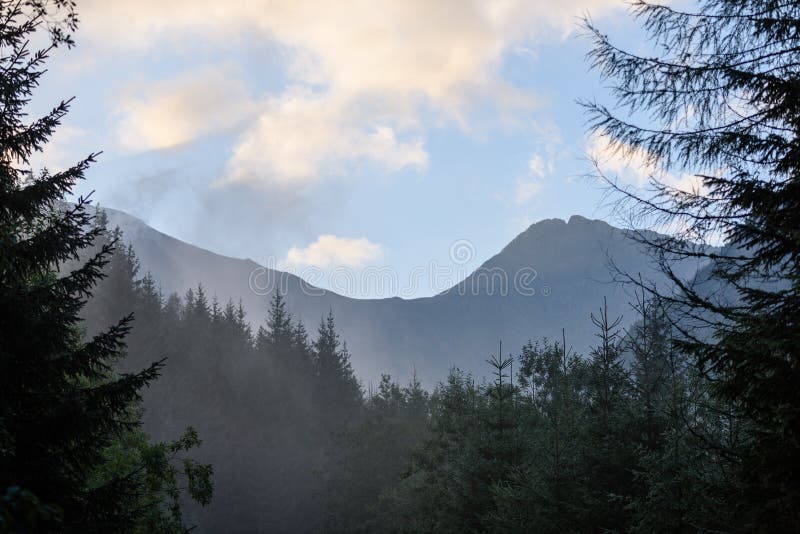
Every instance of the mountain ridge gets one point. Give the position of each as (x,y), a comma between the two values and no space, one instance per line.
(564,263)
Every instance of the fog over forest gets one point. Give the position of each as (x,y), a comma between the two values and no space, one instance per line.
(636,370)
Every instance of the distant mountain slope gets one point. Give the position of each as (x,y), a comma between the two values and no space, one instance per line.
(551,276)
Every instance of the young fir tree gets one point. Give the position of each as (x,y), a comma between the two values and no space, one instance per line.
(609,451)
(371,478)
(721,93)
(337,390)
(549,489)
(673,422)
(648,341)
(278,336)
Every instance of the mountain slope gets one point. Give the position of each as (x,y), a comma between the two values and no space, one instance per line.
(551,276)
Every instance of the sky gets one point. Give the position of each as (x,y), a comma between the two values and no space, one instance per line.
(363,145)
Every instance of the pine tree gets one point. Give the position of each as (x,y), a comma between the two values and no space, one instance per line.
(648,342)
(369,484)
(679,475)
(72,454)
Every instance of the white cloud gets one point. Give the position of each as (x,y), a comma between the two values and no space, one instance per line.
(526,190)
(332,251)
(529,187)
(366,78)
(540,166)
(627,164)
(300,135)
(536,165)
(634,167)
(67,146)
(179,110)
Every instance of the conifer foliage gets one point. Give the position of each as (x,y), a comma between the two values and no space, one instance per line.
(612,442)
(721,95)
(64,412)
(688,421)
(274,395)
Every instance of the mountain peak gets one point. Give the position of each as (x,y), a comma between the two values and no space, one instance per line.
(574,221)
(580,219)
(560,247)
(546,223)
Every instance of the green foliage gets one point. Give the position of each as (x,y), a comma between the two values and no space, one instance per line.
(369,455)
(597,444)
(718,98)
(609,453)
(335,383)
(72,457)
(160,473)
(270,406)
(547,487)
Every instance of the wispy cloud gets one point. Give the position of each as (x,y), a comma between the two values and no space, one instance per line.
(634,167)
(526,190)
(179,110)
(332,251)
(529,186)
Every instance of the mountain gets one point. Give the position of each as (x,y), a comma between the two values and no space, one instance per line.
(549,278)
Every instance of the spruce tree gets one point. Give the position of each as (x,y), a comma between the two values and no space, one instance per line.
(337,389)
(609,452)
(60,404)
(551,490)
(648,342)
(279,335)
(721,94)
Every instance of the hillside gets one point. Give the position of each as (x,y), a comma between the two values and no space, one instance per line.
(551,276)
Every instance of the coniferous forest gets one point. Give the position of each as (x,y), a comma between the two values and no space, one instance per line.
(123,409)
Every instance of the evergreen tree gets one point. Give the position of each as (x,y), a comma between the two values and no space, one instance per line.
(279,335)
(680,478)
(549,489)
(609,451)
(721,90)
(648,341)
(62,408)
(336,383)
(369,457)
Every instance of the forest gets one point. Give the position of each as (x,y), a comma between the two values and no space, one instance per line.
(126,410)
(628,437)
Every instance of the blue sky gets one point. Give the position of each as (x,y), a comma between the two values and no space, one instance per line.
(330,137)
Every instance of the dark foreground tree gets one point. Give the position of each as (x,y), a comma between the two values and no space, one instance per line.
(69,455)
(720,99)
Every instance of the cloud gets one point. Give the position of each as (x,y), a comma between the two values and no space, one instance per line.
(629,165)
(364,79)
(182,109)
(526,190)
(332,251)
(301,135)
(539,167)
(536,166)
(68,145)
(634,167)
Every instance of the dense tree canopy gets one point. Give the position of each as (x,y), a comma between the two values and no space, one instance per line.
(687,421)
(720,100)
